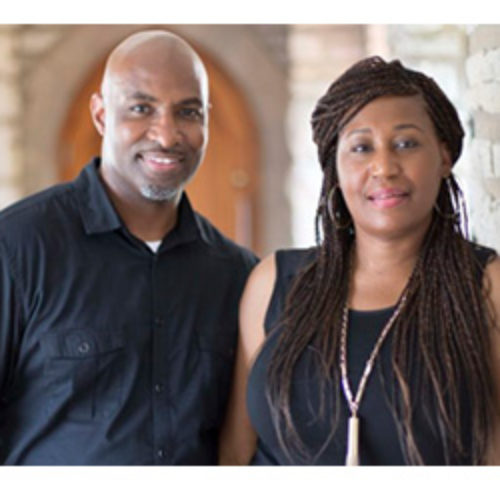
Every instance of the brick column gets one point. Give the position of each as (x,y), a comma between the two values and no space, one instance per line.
(483,76)
(10,118)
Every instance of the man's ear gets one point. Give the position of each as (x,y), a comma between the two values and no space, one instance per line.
(97,112)
(446,163)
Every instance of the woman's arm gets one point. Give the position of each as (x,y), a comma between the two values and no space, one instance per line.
(238,439)
(492,287)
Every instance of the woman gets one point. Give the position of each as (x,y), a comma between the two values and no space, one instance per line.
(380,345)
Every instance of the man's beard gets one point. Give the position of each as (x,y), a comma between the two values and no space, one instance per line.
(159,193)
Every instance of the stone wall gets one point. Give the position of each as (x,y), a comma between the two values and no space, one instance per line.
(22,48)
(483,76)
(10,117)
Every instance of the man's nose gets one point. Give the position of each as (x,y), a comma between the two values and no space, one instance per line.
(164,129)
(385,163)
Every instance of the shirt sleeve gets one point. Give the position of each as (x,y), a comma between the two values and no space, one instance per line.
(251,260)
(10,323)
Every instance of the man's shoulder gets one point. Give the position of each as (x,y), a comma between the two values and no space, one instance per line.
(222,246)
(37,209)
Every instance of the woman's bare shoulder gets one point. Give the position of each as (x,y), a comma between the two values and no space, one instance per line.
(256,298)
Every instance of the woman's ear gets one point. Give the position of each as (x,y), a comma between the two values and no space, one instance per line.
(446,163)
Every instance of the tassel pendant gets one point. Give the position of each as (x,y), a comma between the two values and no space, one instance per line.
(352,457)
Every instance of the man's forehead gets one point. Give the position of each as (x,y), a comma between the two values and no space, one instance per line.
(154,78)
(140,83)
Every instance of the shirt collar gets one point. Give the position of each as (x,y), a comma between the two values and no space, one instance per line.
(187,228)
(99,215)
(96,209)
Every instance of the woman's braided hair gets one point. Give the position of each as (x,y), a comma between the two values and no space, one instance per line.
(443,329)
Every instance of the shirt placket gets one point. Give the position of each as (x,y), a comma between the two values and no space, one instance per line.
(162,416)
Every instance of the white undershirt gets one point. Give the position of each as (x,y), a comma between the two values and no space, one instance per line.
(154,245)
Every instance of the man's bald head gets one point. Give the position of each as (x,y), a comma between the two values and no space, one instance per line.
(151,50)
(152,113)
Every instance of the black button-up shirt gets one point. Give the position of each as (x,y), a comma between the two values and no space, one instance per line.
(110,353)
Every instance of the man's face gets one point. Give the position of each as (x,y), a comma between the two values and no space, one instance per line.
(153,119)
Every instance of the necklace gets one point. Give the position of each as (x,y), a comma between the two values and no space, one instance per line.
(352,456)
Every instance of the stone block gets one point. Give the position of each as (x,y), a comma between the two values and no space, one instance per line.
(496,161)
(9,65)
(485,216)
(476,69)
(10,99)
(493,63)
(9,193)
(492,187)
(482,157)
(485,96)
(483,67)
(428,41)
(486,126)
(323,52)
(10,162)
(36,41)
(6,137)
(484,37)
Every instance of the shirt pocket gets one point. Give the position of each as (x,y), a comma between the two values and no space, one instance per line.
(217,348)
(84,373)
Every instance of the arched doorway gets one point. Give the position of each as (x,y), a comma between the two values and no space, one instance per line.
(224,188)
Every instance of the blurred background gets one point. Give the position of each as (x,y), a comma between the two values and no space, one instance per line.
(259,182)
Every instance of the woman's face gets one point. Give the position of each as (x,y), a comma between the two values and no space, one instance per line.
(390,166)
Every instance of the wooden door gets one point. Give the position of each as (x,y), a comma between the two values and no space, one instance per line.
(225,186)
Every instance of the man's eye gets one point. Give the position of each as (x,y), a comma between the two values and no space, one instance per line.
(191,113)
(140,109)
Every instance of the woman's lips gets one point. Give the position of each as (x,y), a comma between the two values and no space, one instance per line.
(388,198)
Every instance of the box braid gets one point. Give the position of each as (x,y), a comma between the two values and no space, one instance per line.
(443,329)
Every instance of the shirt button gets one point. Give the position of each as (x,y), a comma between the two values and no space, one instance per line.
(84,348)
(160,453)
(158,388)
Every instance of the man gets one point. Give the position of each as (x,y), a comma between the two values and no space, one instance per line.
(118,303)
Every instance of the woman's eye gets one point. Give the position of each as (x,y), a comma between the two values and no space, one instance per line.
(406,144)
(360,148)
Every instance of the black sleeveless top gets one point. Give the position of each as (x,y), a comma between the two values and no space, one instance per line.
(379,433)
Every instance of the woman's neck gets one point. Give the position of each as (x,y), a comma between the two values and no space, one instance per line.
(380,270)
